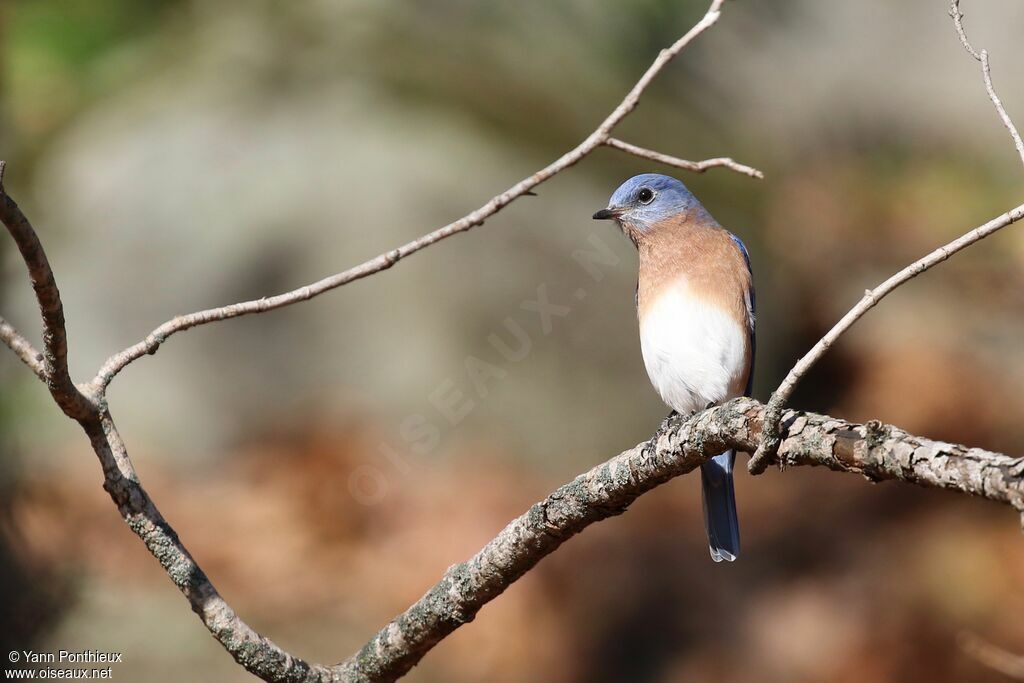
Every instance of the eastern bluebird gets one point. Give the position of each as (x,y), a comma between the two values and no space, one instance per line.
(695,304)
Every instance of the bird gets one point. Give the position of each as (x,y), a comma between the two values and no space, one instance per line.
(696,312)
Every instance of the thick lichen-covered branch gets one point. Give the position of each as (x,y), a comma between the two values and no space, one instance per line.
(877,451)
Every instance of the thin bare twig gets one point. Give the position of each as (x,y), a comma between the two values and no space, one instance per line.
(695,166)
(986,74)
(600,136)
(55,343)
(23,348)
(765,452)
(993,657)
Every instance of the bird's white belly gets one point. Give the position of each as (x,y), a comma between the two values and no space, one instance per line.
(695,352)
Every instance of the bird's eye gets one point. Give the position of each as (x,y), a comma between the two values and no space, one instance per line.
(645,196)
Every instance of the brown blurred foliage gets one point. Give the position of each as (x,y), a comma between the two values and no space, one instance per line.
(845,581)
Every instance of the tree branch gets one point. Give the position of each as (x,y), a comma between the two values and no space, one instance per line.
(55,343)
(874,450)
(23,348)
(766,451)
(257,654)
(599,137)
(986,74)
(695,166)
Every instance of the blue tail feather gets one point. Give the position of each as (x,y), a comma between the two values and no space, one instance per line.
(720,507)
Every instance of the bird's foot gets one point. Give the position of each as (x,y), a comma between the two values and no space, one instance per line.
(670,420)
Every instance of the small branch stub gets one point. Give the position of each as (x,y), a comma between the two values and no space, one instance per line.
(694,166)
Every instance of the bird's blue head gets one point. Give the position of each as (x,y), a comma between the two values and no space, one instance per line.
(645,200)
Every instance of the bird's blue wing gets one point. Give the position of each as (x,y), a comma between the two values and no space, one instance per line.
(751,312)
(719,496)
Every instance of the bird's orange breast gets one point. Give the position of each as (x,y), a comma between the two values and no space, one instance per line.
(703,254)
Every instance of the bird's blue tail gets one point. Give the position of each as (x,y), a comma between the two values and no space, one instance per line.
(720,507)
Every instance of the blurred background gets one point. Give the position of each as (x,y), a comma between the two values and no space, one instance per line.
(325,463)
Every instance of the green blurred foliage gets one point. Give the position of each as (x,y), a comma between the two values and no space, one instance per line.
(57,56)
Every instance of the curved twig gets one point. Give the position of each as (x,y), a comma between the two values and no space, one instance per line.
(765,452)
(695,166)
(55,343)
(600,136)
(986,74)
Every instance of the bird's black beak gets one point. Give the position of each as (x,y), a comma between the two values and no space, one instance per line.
(605,214)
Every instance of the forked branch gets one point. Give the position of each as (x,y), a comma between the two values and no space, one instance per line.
(986,75)
(766,450)
(600,136)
